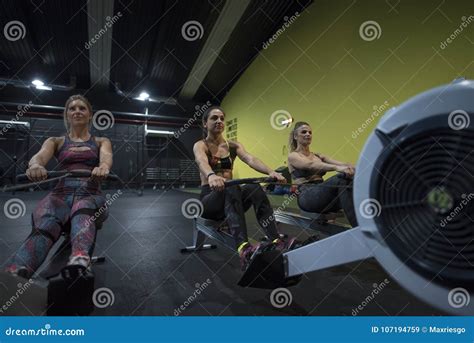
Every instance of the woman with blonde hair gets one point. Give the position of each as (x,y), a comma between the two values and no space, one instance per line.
(73,199)
(307,170)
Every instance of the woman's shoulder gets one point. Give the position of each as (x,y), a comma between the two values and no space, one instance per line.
(101,140)
(57,141)
(200,143)
(293,158)
(234,143)
(298,154)
(318,155)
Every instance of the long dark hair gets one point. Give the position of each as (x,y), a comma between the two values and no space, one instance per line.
(292,143)
(206,115)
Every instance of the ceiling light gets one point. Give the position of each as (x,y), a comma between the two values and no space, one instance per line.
(46,88)
(37,83)
(143,96)
(159,132)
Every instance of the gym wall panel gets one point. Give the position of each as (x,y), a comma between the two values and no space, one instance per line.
(321,70)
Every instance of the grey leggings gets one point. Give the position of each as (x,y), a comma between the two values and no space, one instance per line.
(331,195)
(233,202)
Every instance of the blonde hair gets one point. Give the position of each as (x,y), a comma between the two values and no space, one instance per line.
(66,106)
(292,143)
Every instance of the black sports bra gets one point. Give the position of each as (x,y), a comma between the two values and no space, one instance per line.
(219,164)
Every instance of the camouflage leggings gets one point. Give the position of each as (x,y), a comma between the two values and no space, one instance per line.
(49,218)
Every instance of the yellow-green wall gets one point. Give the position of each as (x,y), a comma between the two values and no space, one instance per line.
(320,70)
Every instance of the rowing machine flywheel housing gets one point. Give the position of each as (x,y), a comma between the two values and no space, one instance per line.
(414,195)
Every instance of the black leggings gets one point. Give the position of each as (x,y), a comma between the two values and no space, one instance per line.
(231,205)
(331,195)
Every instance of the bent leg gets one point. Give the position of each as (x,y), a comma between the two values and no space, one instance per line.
(253,194)
(227,204)
(86,214)
(48,218)
(329,196)
(346,200)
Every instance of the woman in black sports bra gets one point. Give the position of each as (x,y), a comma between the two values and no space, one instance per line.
(215,157)
(307,170)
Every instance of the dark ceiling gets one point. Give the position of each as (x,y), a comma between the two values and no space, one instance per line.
(140,46)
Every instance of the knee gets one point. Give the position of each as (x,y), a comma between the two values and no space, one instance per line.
(51,233)
(46,224)
(257,192)
(84,204)
(346,185)
(340,181)
(255,187)
(50,210)
(233,191)
(93,207)
(303,204)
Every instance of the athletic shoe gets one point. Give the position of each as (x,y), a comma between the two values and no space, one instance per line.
(79,265)
(246,254)
(285,244)
(19,271)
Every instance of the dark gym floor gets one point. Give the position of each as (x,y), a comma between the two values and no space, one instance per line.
(149,276)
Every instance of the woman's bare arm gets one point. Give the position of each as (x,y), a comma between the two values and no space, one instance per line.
(298,162)
(36,167)
(215,182)
(330,160)
(106,154)
(255,163)
(105,159)
(42,157)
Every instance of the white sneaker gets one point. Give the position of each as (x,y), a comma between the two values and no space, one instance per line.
(80,260)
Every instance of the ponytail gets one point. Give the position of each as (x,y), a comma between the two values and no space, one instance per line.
(292,143)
